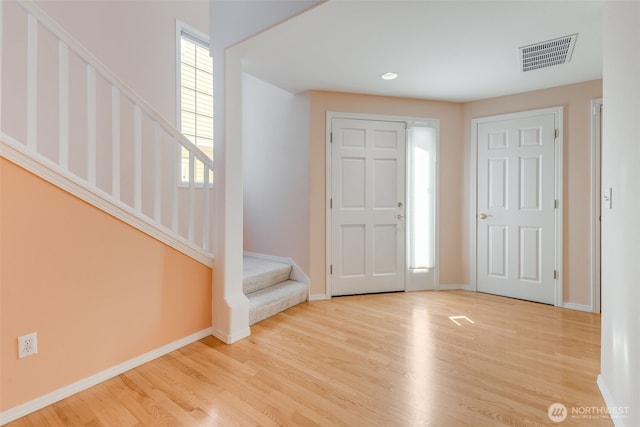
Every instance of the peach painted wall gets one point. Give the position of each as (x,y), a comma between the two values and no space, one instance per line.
(97,291)
(451,174)
(576,100)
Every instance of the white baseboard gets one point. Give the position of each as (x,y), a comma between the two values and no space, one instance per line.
(233,337)
(453,287)
(267,257)
(608,401)
(319,297)
(579,307)
(55,396)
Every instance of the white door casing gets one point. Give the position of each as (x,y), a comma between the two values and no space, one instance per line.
(596,207)
(367,206)
(516,220)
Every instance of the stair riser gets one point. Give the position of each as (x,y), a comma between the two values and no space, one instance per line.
(266,279)
(274,299)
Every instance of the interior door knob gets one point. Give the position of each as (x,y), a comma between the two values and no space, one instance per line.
(484,216)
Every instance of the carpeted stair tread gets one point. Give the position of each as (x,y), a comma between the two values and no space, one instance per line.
(274,299)
(260,273)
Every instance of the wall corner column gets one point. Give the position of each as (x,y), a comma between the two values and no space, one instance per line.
(230,307)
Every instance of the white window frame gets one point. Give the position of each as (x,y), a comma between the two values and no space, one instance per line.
(198,37)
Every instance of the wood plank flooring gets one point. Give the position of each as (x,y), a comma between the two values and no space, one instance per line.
(374,360)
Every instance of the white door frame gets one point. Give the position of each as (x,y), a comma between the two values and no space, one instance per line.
(558,113)
(596,194)
(328,185)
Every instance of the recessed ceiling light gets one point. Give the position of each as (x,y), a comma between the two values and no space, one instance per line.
(389,76)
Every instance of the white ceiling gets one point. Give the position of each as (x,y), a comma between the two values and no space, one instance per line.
(443,50)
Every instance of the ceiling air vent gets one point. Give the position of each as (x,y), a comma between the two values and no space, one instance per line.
(546,54)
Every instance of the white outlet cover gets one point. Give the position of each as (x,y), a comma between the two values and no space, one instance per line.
(27,345)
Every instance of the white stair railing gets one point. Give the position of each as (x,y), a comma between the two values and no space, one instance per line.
(69,119)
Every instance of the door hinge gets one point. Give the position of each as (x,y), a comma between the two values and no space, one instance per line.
(331,269)
(555,274)
(331,203)
(556,133)
(331,137)
(555,204)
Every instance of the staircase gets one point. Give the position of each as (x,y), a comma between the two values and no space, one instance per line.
(269,288)
(125,162)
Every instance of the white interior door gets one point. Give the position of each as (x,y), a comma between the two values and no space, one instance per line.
(516,233)
(367,206)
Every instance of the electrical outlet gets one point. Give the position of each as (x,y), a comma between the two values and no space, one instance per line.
(27,345)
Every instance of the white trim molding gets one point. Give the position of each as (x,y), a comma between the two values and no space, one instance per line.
(233,337)
(454,287)
(78,386)
(558,113)
(579,307)
(596,196)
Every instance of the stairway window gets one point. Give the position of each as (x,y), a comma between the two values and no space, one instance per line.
(195,95)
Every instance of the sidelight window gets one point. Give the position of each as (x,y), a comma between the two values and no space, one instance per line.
(422,196)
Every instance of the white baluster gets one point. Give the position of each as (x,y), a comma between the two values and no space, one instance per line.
(32,82)
(63,105)
(205,210)
(176,162)
(137,158)
(115,142)
(91,125)
(191,188)
(1,34)
(157,169)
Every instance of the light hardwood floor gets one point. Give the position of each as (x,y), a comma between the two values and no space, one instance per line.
(375,360)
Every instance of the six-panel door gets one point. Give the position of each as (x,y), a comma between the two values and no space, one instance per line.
(515,206)
(367,215)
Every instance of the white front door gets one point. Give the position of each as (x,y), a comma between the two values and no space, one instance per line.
(367,206)
(516,232)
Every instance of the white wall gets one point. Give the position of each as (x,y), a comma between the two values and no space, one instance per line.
(275,153)
(620,361)
(135,39)
(231,22)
